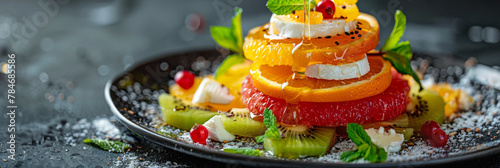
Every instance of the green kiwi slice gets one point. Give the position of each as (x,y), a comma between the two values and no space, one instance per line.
(425,105)
(407,132)
(401,121)
(239,122)
(178,114)
(301,141)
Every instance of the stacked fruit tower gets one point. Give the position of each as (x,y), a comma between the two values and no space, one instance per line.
(347,85)
(343,81)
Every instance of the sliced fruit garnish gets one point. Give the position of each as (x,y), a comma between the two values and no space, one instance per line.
(384,106)
(455,99)
(233,77)
(334,49)
(180,115)
(240,122)
(301,141)
(269,79)
(425,105)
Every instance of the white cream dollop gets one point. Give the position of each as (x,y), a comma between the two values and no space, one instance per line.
(338,72)
(282,26)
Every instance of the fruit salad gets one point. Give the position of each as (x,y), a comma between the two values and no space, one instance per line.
(307,77)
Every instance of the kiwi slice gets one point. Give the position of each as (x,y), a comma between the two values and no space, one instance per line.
(239,122)
(425,105)
(407,132)
(401,121)
(301,141)
(178,114)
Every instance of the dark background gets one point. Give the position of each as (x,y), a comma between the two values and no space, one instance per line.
(66,54)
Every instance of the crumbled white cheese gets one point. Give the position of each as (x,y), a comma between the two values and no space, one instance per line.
(216,131)
(390,141)
(213,92)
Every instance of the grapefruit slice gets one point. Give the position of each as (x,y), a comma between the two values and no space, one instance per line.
(269,81)
(387,105)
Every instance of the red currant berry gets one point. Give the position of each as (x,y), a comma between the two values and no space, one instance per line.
(199,134)
(439,138)
(327,8)
(427,128)
(184,79)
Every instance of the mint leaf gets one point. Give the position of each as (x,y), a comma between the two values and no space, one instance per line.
(230,38)
(400,53)
(345,155)
(112,146)
(283,7)
(357,134)
(382,155)
(397,31)
(270,122)
(236,28)
(228,63)
(225,38)
(371,154)
(244,151)
(354,156)
(402,65)
(404,49)
(272,129)
(260,138)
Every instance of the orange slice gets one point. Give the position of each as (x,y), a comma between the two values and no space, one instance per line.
(268,80)
(262,50)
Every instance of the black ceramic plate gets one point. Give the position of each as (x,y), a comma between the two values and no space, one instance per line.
(144,81)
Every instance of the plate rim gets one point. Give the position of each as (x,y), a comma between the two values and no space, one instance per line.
(220,156)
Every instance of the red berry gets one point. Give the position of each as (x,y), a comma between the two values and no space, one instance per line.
(199,134)
(434,135)
(327,7)
(427,128)
(184,79)
(438,138)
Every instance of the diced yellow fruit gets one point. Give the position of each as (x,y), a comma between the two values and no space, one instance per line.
(298,16)
(451,97)
(350,12)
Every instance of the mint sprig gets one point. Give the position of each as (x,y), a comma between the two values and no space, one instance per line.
(283,7)
(230,38)
(112,146)
(244,151)
(272,129)
(366,149)
(400,53)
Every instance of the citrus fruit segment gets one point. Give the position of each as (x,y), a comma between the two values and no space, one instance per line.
(269,80)
(334,49)
(187,95)
(387,105)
